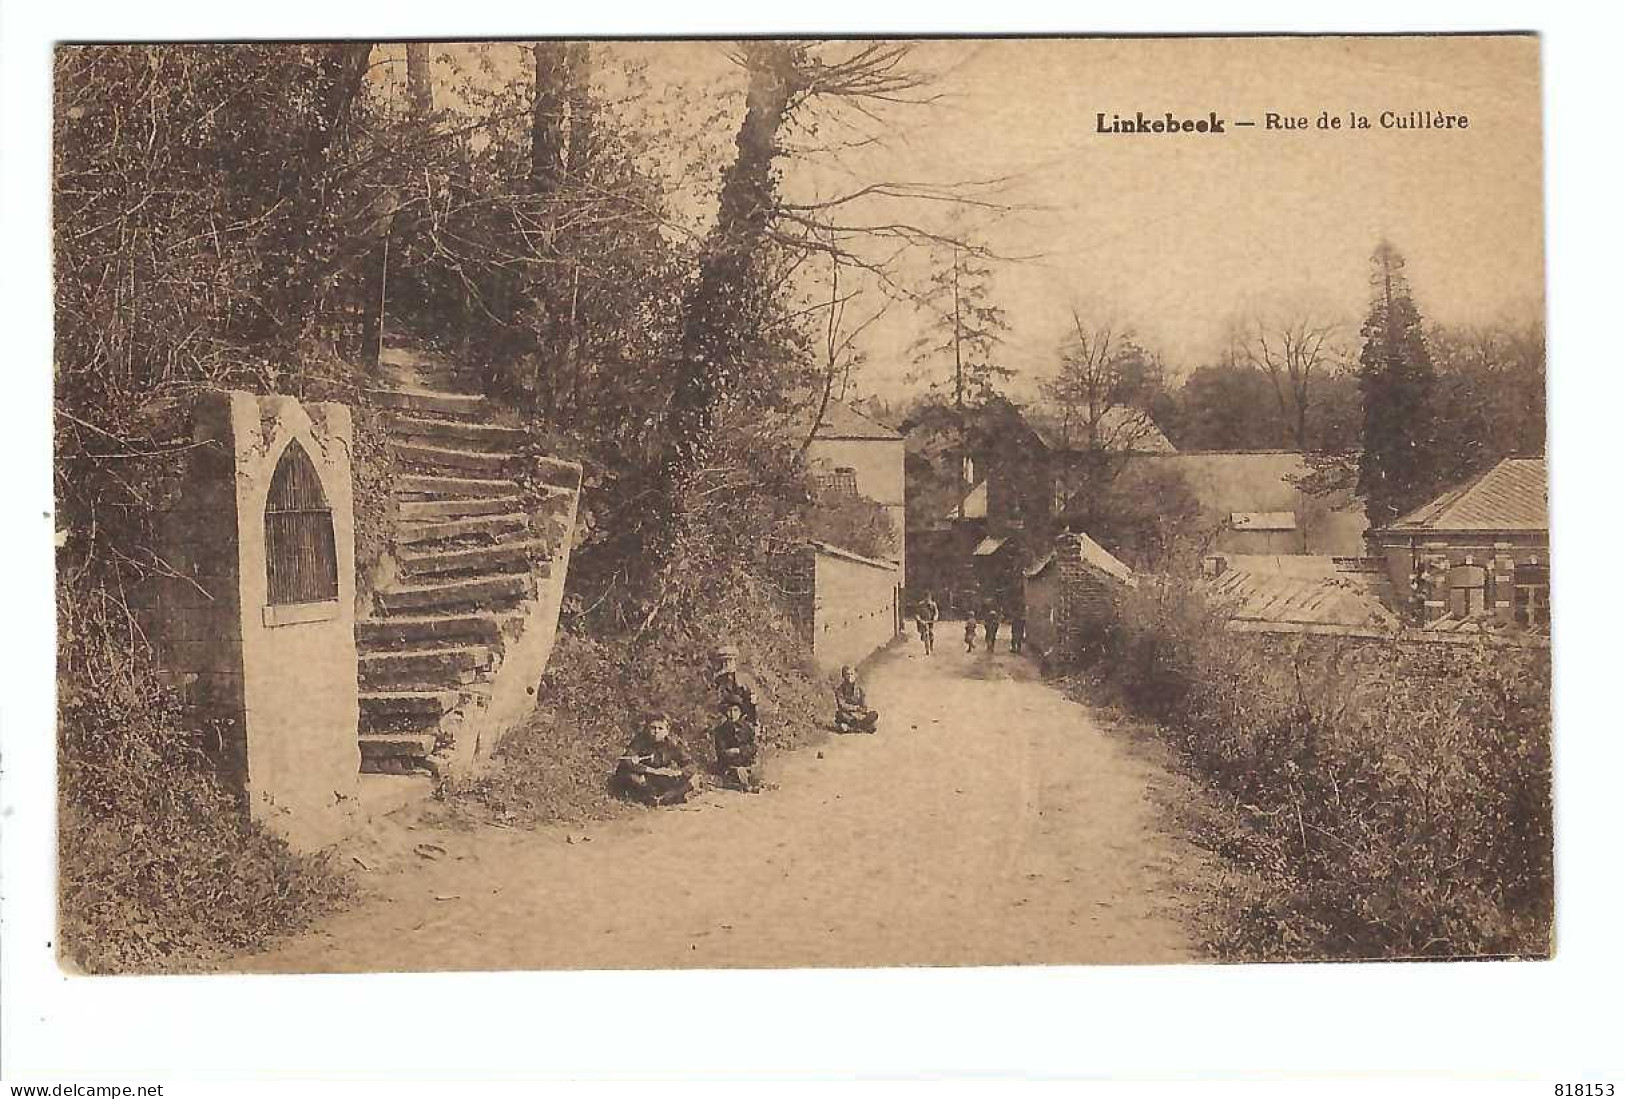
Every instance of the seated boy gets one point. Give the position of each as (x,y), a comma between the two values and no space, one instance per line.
(655,768)
(852,713)
(735,740)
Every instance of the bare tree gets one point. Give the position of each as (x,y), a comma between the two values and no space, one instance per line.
(1104,376)
(839,354)
(1295,347)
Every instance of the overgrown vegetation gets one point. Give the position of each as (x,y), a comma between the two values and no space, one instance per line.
(158,868)
(597,690)
(1382,799)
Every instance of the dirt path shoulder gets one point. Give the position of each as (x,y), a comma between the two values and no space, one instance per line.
(990,822)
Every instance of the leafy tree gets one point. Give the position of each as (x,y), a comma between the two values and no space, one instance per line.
(1225,407)
(1150,519)
(1490,400)
(1397,383)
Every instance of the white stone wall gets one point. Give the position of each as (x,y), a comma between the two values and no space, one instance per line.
(853,607)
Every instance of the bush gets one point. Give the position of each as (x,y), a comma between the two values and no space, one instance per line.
(1392,798)
(158,867)
(853,523)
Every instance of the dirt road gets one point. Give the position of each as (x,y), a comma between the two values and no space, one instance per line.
(989,822)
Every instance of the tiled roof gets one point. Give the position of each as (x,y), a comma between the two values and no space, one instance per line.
(1119,428)
(842,421)
(1263,520)
(1096,555)
(1300,591)
(1511,496)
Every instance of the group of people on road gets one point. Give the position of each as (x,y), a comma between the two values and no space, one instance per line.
(657,769)
(990,617)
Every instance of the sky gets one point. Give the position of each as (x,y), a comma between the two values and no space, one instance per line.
(1174,235)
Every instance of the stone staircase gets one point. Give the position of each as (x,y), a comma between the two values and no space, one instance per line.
(457,638)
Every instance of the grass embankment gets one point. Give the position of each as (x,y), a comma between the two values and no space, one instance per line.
(158,868)
(1373,800)
(556,766)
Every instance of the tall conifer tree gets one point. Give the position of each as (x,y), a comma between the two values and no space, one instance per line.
(1396,380)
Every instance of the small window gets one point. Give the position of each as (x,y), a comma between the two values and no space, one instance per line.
(1466,584)
(300,560)
(1531,595)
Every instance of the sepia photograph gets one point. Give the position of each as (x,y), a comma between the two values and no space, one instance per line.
(754,503)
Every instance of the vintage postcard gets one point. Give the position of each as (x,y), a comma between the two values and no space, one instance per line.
(579,504)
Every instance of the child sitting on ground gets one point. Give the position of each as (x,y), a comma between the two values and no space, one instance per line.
(655,768)
(852,713)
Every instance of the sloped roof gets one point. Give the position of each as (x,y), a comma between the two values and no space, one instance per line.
(1097,555)
(1510,496)
(1301,591)
(1230,481)
(987,547)
(1263,520)
(975,505)
(842,421)
(1120,427)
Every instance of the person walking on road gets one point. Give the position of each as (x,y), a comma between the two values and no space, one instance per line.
(1018,625)
(990,623)
(925,620)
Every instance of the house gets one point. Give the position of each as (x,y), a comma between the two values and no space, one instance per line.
(1249,499)
(850,452)
(1476,553)
(1119,429)
(1077,452)
(1068,594)
(979,502)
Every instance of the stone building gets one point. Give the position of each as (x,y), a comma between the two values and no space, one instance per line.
(979,503)
(852,452)
(1251,504)
(1068,595)
(1477,553)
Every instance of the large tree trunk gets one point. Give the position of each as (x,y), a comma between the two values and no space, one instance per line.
(419,85)
(547,116)
(719,312)
(341,70)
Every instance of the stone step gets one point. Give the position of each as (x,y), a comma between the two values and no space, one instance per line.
(473,436)
(404,631)
(457,507)
(396,745)
(442,667)
(504,557)
(394,705)
(478,526)
(460,406)
(481,593)
(458,462)
(424,484)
